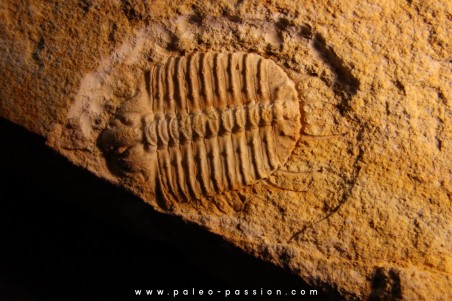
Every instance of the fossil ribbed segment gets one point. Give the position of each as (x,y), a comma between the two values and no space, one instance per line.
(207,122)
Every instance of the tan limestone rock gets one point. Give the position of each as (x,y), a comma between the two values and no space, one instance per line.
(360,200)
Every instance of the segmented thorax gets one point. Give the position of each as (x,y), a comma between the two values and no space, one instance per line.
(214,121)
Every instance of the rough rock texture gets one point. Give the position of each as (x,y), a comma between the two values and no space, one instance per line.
(363,205)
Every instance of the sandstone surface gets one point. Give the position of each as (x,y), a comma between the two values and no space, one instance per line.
(363,203)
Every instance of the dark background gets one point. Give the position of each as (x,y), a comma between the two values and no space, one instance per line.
(67,235)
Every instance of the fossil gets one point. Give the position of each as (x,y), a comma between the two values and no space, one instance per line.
(205,123)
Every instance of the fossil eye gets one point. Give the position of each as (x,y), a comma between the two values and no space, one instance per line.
(130,119)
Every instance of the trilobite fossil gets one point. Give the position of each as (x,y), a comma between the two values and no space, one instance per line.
(205,123)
